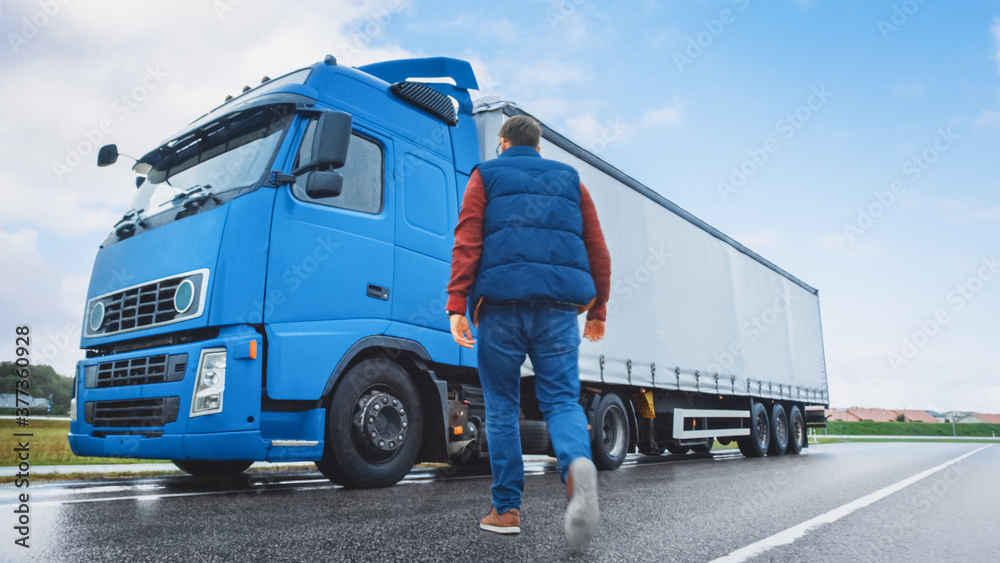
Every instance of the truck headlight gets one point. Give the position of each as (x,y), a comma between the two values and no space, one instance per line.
(97,317)
(211,382)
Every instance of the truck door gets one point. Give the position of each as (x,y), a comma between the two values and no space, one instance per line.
(426,214)
(330,267)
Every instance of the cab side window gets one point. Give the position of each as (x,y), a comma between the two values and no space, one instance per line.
(363,175)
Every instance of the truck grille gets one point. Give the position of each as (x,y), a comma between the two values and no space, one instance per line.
(137,371)
(142,306)
(132,413)
(147,305)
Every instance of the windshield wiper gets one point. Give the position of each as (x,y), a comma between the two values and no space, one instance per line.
(195,196)
(126,226)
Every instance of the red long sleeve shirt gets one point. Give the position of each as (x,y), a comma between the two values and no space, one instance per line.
(469,249)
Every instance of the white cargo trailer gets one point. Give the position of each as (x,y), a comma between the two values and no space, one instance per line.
(717,340)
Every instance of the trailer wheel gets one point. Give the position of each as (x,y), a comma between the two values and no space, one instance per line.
(796,430)
(779,431)
(212,468)
(374,425)
(678,450)
(756,444)
(610,442)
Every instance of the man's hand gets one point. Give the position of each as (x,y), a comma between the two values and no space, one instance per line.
(593,330)
(462,333)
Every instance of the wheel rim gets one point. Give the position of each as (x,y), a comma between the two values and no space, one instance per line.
(781,430)
(762,429)
(379,424)
(613,430)
(798,431)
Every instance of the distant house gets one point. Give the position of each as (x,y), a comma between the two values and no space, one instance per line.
(918,416)
(988,418)
(9,401)
(841,414)
(974,418)
(938,416)
(854,414)
(961,417)
(876,415)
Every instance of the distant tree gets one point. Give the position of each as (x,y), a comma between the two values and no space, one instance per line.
(900,417)
(44,382)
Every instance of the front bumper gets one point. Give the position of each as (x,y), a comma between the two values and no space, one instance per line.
(138,419)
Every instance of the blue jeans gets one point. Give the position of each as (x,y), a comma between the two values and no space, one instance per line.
(549,335)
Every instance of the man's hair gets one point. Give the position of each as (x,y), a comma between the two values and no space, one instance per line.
(521,130)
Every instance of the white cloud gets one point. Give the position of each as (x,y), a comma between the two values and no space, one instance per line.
(37,293)
(986,118)
(595,134)
(76,90)
(554,73)
(665,38)
(71,76)
(909,90)
(665,116)
(839,245)
(987,213)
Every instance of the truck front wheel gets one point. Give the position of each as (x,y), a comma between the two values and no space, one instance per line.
(374,425)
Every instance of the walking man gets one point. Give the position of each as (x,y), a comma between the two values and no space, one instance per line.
(529,257)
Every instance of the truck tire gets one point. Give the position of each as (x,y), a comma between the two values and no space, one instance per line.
(534,437)
(779,431)
(796,430)
(373,429)
(678,450)
(610,424)
(756,444)
(212,468)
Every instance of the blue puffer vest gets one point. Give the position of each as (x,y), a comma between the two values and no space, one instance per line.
(533,247)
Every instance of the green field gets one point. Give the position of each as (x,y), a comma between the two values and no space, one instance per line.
(48,445)
(869,428)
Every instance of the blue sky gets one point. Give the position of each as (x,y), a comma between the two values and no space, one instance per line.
(879,121)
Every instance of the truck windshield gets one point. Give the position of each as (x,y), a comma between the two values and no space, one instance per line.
(229,153)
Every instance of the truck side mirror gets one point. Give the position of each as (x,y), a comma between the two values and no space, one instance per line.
(333,135)
(321,184)
(108,155)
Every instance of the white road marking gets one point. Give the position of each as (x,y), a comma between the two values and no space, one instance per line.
(791,534)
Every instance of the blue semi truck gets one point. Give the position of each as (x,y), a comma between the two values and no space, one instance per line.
(293,247)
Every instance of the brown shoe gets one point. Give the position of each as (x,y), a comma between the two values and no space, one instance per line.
(507,523)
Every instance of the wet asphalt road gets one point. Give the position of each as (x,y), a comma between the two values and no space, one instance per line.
(672,508)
